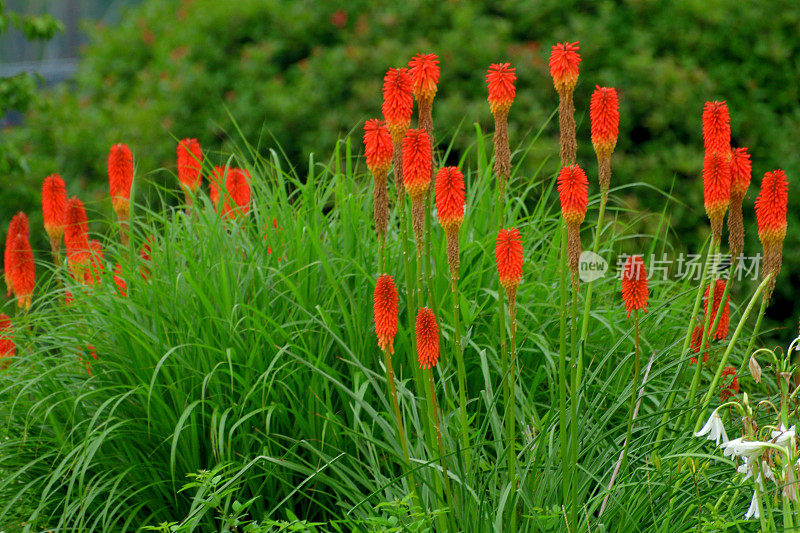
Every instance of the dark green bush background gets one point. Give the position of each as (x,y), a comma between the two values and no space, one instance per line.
(307,72)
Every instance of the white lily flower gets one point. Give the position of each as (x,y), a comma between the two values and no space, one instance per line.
(714,428)
(766,473)
(749,449)
(753,510)
(783,436)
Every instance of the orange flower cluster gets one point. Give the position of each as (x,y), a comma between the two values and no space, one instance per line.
(385,310)
(604,115)
(398,101)
(120,179)
(237,201)
(20,269)
(635,292)
(716,128)
(724,320)
(427,338)
(7,346)
(76,238)
(424,72)
(54,209)
(416,163)
(450,211)
(573,193)
(508,256)
(741,173)
(190,163)
(728,387)
(716,190)
(500,78)
(771,205)
(564,62)
(697,339)
(377,147)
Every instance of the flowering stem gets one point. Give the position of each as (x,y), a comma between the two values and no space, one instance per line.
(510,414)
(575,389)
(764,302)
(393,391)
(434,411)
(562,364)
(462,374)
(686,342)
(635,386)
(707,398)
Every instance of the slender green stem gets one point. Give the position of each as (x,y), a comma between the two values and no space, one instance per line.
(462,374)
(634,391)
(434,411)
(756,329)
(709,393)
(575,365)
(511,430)
(686,342)
(562,365)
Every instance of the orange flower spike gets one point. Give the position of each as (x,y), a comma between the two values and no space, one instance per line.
(427,338)
(634,285)
(450,198)
(716,190)
(76,238)
(716,128)
(7,346)
(17,226)
(724,320)
(377,147)
(573,192)
(424,72)
(20,269)
(120,179)
(508,256)
(122,287)
(190,161)
(741,172)
(215,184)
(501,78)
(604,114)
(54,208)
(95,270)
(728,387)
(416,163)
(770,206)
(564,62)
(398,101)
(385,308)
(238,188)
(697,338)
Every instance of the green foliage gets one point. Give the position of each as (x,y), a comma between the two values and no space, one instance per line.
(305,72)
(241,386)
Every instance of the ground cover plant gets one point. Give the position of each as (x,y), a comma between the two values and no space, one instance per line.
(398,341)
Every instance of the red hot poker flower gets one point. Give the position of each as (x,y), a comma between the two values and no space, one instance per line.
(724,320)
(416,163)
(427,338)
(771,207)
(238,188)
(716,189)
(741,172)
(120,178)
(20,269)
(54,206)
(377,147)
(564,61)
(7,346)
(424,72)
(604,114)
(450,198)
(501,77)
(697,338)
(716,128)
(216,182)
(728,387)
(573,191)
(398,101)
(122,287)
(95,270)
(190,161)
(76,233)
(385,309)
(508,256)
(634,285)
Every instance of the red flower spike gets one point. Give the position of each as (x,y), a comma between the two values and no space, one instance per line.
(424,72)
(771,207)
(377,146)
(238,187)
(190,161)
(215,183)
(573,192)
(724,321)
(416,162)
(427,338)
(7,346)
(634,285)
(564,62)
(508,256)
(17,226)
(697,338)
(716,189)
(450,198)
(385,308)
(500,78)
(728,387)
(741,172)
(398,101)
(120,178)
(122,287)
(76,236)
(95,270)
(604,114)
(54,206)
(716,128)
